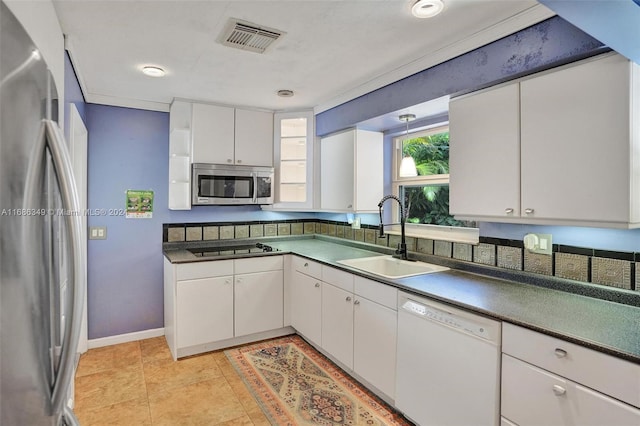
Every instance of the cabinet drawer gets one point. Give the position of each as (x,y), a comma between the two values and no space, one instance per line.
(610,375)
(195,270)
(258,264)
(307,267)
(532,396)
(383,294)
(341,279)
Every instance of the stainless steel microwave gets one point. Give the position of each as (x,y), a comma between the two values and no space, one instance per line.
(214,184)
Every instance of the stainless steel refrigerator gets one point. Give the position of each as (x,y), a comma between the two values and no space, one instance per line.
(41,259)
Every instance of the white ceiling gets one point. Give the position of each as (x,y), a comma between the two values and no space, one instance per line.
(332,50)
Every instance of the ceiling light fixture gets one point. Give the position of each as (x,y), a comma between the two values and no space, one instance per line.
(408,164)
(153,71)
(285,93)
(427,8)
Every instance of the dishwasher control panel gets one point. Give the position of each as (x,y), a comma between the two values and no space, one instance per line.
(450,319)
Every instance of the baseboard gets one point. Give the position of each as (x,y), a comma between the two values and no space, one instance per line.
(124,338)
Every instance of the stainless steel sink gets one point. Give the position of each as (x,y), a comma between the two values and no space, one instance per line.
(390,267)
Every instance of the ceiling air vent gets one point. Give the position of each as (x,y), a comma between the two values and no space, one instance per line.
(247,36)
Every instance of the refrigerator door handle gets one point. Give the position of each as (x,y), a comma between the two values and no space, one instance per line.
(69,418)
(70,203)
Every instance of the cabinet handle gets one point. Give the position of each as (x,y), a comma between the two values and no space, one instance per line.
(317,285)
(357,302)
(229,160)
(560,353)
(239,280)
(306,264)
(559,390)
(239,161)
(350,206)
(528,211)
(348,299)
(508,210)
(227,281)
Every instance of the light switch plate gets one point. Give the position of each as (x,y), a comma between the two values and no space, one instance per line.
(97,232)
(538,243)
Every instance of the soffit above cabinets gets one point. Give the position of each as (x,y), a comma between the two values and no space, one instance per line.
(329,48)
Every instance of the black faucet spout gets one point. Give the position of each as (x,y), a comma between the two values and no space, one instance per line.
(402,247)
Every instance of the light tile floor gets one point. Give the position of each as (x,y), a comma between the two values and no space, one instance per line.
(138,383)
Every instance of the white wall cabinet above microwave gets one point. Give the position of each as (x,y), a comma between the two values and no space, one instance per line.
(225,135)
(560,147)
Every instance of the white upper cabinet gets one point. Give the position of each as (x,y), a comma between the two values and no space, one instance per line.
(213,134)
(560,147)
(254,138)
(351,171)
(225,135)
(577,142)
(484,156)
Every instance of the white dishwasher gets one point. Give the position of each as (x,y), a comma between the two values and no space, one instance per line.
(448,364)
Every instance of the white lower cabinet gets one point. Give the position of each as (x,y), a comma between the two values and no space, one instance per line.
(306,306)
(361,334)
(211,305)
(258,302)
(204,310)
(548,381)
(353,319)
(337,323)
(374,344)
(533,396)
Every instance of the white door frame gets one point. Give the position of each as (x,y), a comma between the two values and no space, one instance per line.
(78,146)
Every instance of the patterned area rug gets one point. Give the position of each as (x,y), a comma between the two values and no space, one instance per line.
(295,385)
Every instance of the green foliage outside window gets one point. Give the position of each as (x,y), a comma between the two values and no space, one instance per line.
(429,204)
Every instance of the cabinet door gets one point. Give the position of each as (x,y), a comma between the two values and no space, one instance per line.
(254,138)
(532,396)
(369,185)
(337,323)
(306,307)
(258,302)
(213,134)
(204,311)
(374,344)
(337,172)
(484,153)
(575,142)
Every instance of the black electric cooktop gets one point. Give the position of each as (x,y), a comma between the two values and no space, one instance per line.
(231,250)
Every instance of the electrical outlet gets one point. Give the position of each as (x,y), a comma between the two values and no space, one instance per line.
(98,233)
(538,243)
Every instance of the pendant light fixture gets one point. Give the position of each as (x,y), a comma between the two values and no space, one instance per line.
(407,165)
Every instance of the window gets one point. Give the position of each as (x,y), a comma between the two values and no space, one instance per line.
(426,196)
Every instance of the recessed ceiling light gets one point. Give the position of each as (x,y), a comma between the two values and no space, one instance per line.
(153,71)
(427,8)
(285,93)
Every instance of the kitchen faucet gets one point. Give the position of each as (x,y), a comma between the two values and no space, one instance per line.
(402,247)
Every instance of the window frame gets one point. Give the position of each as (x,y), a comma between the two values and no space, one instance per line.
(436,232)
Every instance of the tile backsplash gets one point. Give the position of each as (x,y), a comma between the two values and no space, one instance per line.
(607,268)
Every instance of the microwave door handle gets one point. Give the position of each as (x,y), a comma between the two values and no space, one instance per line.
(255,187)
